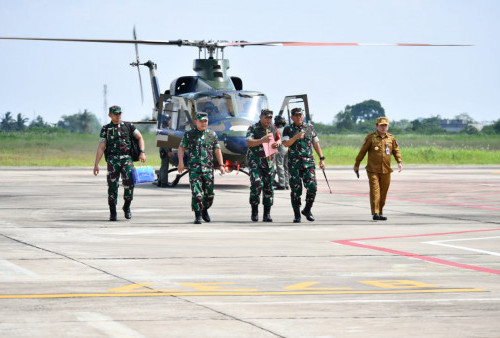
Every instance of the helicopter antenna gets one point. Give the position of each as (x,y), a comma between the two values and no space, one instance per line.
(137,63)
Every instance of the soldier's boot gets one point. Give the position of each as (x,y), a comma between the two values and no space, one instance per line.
(112,213)
(255,213)
(307,212)
(205,215)
(197,217)
(296,211)
(267,214)
(126,209)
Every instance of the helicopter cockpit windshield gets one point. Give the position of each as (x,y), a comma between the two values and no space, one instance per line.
(221,106)
(249,105)
(218,107)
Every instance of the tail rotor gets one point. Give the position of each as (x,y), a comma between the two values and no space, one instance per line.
(137,64)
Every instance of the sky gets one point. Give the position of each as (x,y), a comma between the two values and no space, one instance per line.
(52,79)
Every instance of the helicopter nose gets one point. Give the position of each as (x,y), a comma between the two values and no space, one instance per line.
(237,145)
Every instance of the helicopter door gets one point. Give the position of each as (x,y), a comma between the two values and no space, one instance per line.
(175,112)
(295,101)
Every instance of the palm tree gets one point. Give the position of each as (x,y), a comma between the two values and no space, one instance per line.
(7,121)
(20,122)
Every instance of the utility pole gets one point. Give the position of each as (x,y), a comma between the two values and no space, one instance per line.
(105,107)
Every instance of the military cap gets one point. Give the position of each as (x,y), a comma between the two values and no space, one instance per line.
(279,120)
(382,120)
(202,116)
(266,113)
(296,111)
(115,109)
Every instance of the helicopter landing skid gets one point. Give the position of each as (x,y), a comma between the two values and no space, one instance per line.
(244,171)
(177,177)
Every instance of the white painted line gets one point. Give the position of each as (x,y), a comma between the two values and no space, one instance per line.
(347,301)
(107,325)
(492,253)
(9,269)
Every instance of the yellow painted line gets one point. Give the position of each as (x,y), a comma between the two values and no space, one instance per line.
(264,293)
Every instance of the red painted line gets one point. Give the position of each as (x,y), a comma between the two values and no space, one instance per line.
(426,202)
(352,242)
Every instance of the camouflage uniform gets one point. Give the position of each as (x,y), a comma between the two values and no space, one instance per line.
(261,168)
(281,158)
(201,145)
(301,162)
(119,161)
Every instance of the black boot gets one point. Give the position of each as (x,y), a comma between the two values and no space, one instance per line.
(197,217)
(126,209)
(255,213)
(112,212)
(307,212)
(267,214)
(205,215)
(377,217)
(296,211)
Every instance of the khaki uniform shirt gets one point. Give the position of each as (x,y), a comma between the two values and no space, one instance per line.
(379,151)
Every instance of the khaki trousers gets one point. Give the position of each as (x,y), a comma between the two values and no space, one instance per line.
(379,185)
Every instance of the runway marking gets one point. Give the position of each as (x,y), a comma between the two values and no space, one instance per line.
(9,268)
(216,289)
(464,247)
(219,293)
(353,242)
(106,325)
(369,300)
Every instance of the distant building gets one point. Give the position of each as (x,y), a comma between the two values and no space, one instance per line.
(457,125)
(453,125)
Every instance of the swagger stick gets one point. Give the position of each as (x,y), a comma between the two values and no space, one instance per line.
(327,181)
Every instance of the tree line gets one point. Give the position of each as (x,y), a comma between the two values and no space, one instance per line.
(358,118)
(83,122)
(361,118)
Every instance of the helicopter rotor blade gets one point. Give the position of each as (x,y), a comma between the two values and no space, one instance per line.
(222,44)
(137,64)
(144,42)
(316,44)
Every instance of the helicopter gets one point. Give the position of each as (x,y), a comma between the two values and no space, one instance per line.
(231,109)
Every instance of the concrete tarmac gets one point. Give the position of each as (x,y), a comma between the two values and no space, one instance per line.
(431,270)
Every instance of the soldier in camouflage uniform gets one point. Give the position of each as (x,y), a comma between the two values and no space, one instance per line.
(115,142)
(165,155)
(201,143)
(380,145)
(281,178)
(301,137)
(261,167)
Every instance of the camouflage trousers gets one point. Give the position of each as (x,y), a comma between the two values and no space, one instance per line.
(282,173)
(120,165)
(261,181)
(202,189)
(298,176)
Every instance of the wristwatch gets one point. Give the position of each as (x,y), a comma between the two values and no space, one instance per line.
(142,151)
(322,158)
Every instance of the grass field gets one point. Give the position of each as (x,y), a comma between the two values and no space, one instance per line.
(29,149)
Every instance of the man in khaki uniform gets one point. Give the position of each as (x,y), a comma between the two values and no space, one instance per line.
(380,145)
